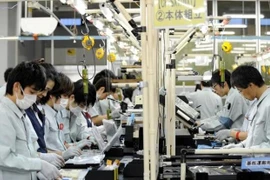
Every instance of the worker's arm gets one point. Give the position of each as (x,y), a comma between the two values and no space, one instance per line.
(56,152)
(97,120)
(241,135)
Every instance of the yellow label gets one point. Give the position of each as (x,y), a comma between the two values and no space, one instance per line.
(179,13)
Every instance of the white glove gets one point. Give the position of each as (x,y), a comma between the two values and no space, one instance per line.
(71,152)
(116,114)
(52,158)
(49,171)
(83,143)
(231,146)
(40,176)
(223,134)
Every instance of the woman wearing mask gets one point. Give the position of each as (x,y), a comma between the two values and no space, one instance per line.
(54,102)
(77,121)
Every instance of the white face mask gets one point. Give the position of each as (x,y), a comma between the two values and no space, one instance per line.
(63,104)
(97,97)
(76,110)
(27,101)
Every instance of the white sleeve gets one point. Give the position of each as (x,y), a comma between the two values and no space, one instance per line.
(9,159)
(93,112)
(211,124)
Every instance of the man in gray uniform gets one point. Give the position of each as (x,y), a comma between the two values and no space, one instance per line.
(234,110)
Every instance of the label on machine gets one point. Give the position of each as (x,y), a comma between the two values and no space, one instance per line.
(255,163)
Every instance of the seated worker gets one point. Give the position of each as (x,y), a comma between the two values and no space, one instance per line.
(36,113)
(234,110)
(205,101)
(3,88)
(238,134)
(75,127)
(103,89)
(250,84)
(55,101)
(19,158)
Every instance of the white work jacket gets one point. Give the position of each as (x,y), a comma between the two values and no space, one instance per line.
(18,146)
(231,116)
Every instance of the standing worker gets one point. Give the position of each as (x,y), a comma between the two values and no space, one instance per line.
(233,112)
(19,158)
(205,101)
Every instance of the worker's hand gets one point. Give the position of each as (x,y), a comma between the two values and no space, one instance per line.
(49,171)
(231,146)
(84,143)
(223,134)
(52,158)
(92,139)
(198,123)
(71,152)
(116,114)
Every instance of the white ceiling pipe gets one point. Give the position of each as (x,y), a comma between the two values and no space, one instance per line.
(98,11)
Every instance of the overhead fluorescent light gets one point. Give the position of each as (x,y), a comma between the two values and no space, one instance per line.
(249,45)
(204,46)
(202,49)
(108,31)
(99,25)
(237,52)
(80,6)
(243,16)
(230,25)
(227,33)
(106,11)
(267,33)
(243,49)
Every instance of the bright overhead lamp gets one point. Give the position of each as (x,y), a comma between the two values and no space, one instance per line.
(267,33)
(243,16)
(202,49)
(204,46)
(106,11)
(249,45)
(227,33)
(244,49)
(237,52)
(98,24)
(40,26)
(231,25)
(80,6)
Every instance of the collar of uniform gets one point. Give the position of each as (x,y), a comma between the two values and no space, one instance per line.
(65,113)
(20,113)
(231,91)
(207,89)
(49,109)
(265,93)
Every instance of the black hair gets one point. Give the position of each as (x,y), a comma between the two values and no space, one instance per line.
(106,83)
(104,73)
(243,75)
(50,71)
(198,87)
(79,94)
(216,78)
(206,83)
(27,74)
(63,86)
(128,92)
(6,73)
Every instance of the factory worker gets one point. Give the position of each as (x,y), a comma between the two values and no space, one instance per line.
(250,84)
(4,86)
(55,101)
(234,110)
(103,89)
(75,125)
(239,134)
(205,101)
(36,113)
(19,158)
(112,102)
(99,111)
